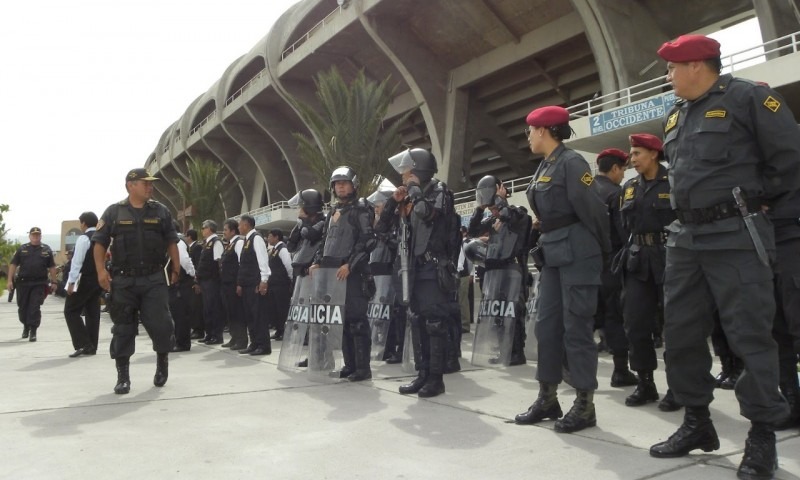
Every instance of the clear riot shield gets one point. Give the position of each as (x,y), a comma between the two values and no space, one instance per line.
(494,333)
(531,344)
(326,325)
(379,314)
(409,365)
(294,334)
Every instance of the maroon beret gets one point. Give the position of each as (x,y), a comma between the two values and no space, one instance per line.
(645,140)
(613,152)
(689,48)
(548,116)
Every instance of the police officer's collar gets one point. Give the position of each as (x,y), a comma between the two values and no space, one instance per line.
(720,86)
(555,153)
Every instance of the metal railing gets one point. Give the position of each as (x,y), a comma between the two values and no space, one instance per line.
(316,28)
(238,93)
(265,209)
(742,59)
(202,122)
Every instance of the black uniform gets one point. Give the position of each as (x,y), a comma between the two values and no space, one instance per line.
(645,210)
(575,236)
(248,278)
(196,310)
(736,134)
(208,277)
(382,261)
(139,287)
(348,238)
(234,310)
(279,294)
(86,300)
(181,297)
(33,264)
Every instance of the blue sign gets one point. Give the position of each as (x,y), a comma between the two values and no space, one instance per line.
(632,114)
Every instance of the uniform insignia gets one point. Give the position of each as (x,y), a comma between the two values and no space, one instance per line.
(100,224)
(663,195)
(587,179)
(246,244)
(671,122)
(336,216)
(629,193)
(716,114)
(772,104)
(151,220)
(543,179)
(125,222)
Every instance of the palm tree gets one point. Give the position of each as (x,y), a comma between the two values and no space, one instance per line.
(202,191)
(349,129)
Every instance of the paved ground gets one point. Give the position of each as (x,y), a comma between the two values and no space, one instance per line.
(229,416)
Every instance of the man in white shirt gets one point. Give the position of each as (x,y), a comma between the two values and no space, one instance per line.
(280,282)
(251,285)
(180,298)
(208,278)
(83,274)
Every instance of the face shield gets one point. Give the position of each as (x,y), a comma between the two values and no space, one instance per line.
(402,162)
(379,197)
(484,196)
(294,202)
(475,251)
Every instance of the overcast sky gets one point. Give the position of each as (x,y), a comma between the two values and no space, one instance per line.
(89,86)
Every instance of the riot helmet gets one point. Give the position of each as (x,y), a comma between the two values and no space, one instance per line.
(380,195)
(344,173)
(486,191)
(418,161)
(309,200)
(475,251)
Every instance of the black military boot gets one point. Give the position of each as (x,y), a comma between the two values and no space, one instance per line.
(32,335)
(737,367)
(760,458)
(791,392)
(123,377)
(580,416)
(622,376)
(25,331)
(727,366)
(668,403)
(697,431)
(434,385)
(546,406)
(645,391)
(349,357)
(162,369)
(363,347)
(416,384)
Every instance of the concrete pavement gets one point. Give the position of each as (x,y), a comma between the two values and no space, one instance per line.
(230,416)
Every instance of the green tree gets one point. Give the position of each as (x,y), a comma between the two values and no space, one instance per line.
(202,191)
(349,129)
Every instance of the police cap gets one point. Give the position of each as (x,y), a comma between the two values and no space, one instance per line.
(139,174)
(35,230)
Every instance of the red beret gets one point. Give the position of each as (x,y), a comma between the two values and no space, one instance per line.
(645,140)
(613,152)
(689,48)
(548,116)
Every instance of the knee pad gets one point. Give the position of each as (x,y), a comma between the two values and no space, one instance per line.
(436,327)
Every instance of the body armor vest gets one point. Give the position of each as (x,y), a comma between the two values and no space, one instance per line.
(138,242)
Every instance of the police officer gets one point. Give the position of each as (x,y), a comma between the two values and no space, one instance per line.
(196,310)
(426,204)
(574,239)
(143,235)
(208,280)
(252,284)
(31,263)
(347,241)
(181,296)
(724,133)
(280,282)
(509,227)
(228,273)
(83,297)
(645,209)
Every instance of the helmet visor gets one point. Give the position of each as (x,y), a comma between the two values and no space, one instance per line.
(379,197)
(295,201)
(485,196)
(402,162)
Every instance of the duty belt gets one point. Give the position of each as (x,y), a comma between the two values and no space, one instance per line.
(717,212)
(652,238)
(558,222)
(137,271)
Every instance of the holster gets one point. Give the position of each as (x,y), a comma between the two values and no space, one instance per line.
(447,275)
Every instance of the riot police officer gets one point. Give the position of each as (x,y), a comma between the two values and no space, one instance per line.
(31,263)
(733,148)
(645,211)
(143,234)
(574,239)
(509,228)
(426,205)
(347,241)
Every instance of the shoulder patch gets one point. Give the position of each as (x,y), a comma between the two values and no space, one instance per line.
(629,193)
(544,179)
(772,104)
(671,121)
(587,179)
(100,224)
(716,114)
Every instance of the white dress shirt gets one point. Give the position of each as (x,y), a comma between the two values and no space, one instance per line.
(82,245)
(186,261)
(260,247)
(285,257)
(218,248)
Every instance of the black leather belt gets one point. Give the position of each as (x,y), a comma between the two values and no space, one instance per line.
(558,222)
(717,212)
(137,271)
(649,239)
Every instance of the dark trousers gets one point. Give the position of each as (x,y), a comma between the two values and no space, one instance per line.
(213,315)
(741,288)
(278,298)
(786,328)
(29,303)
(642,302)
(196,313)
(431,320)
(609,313)
(253,304)
(356,324)
(234,311)
(180,304)
(86,299)
(140,298)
